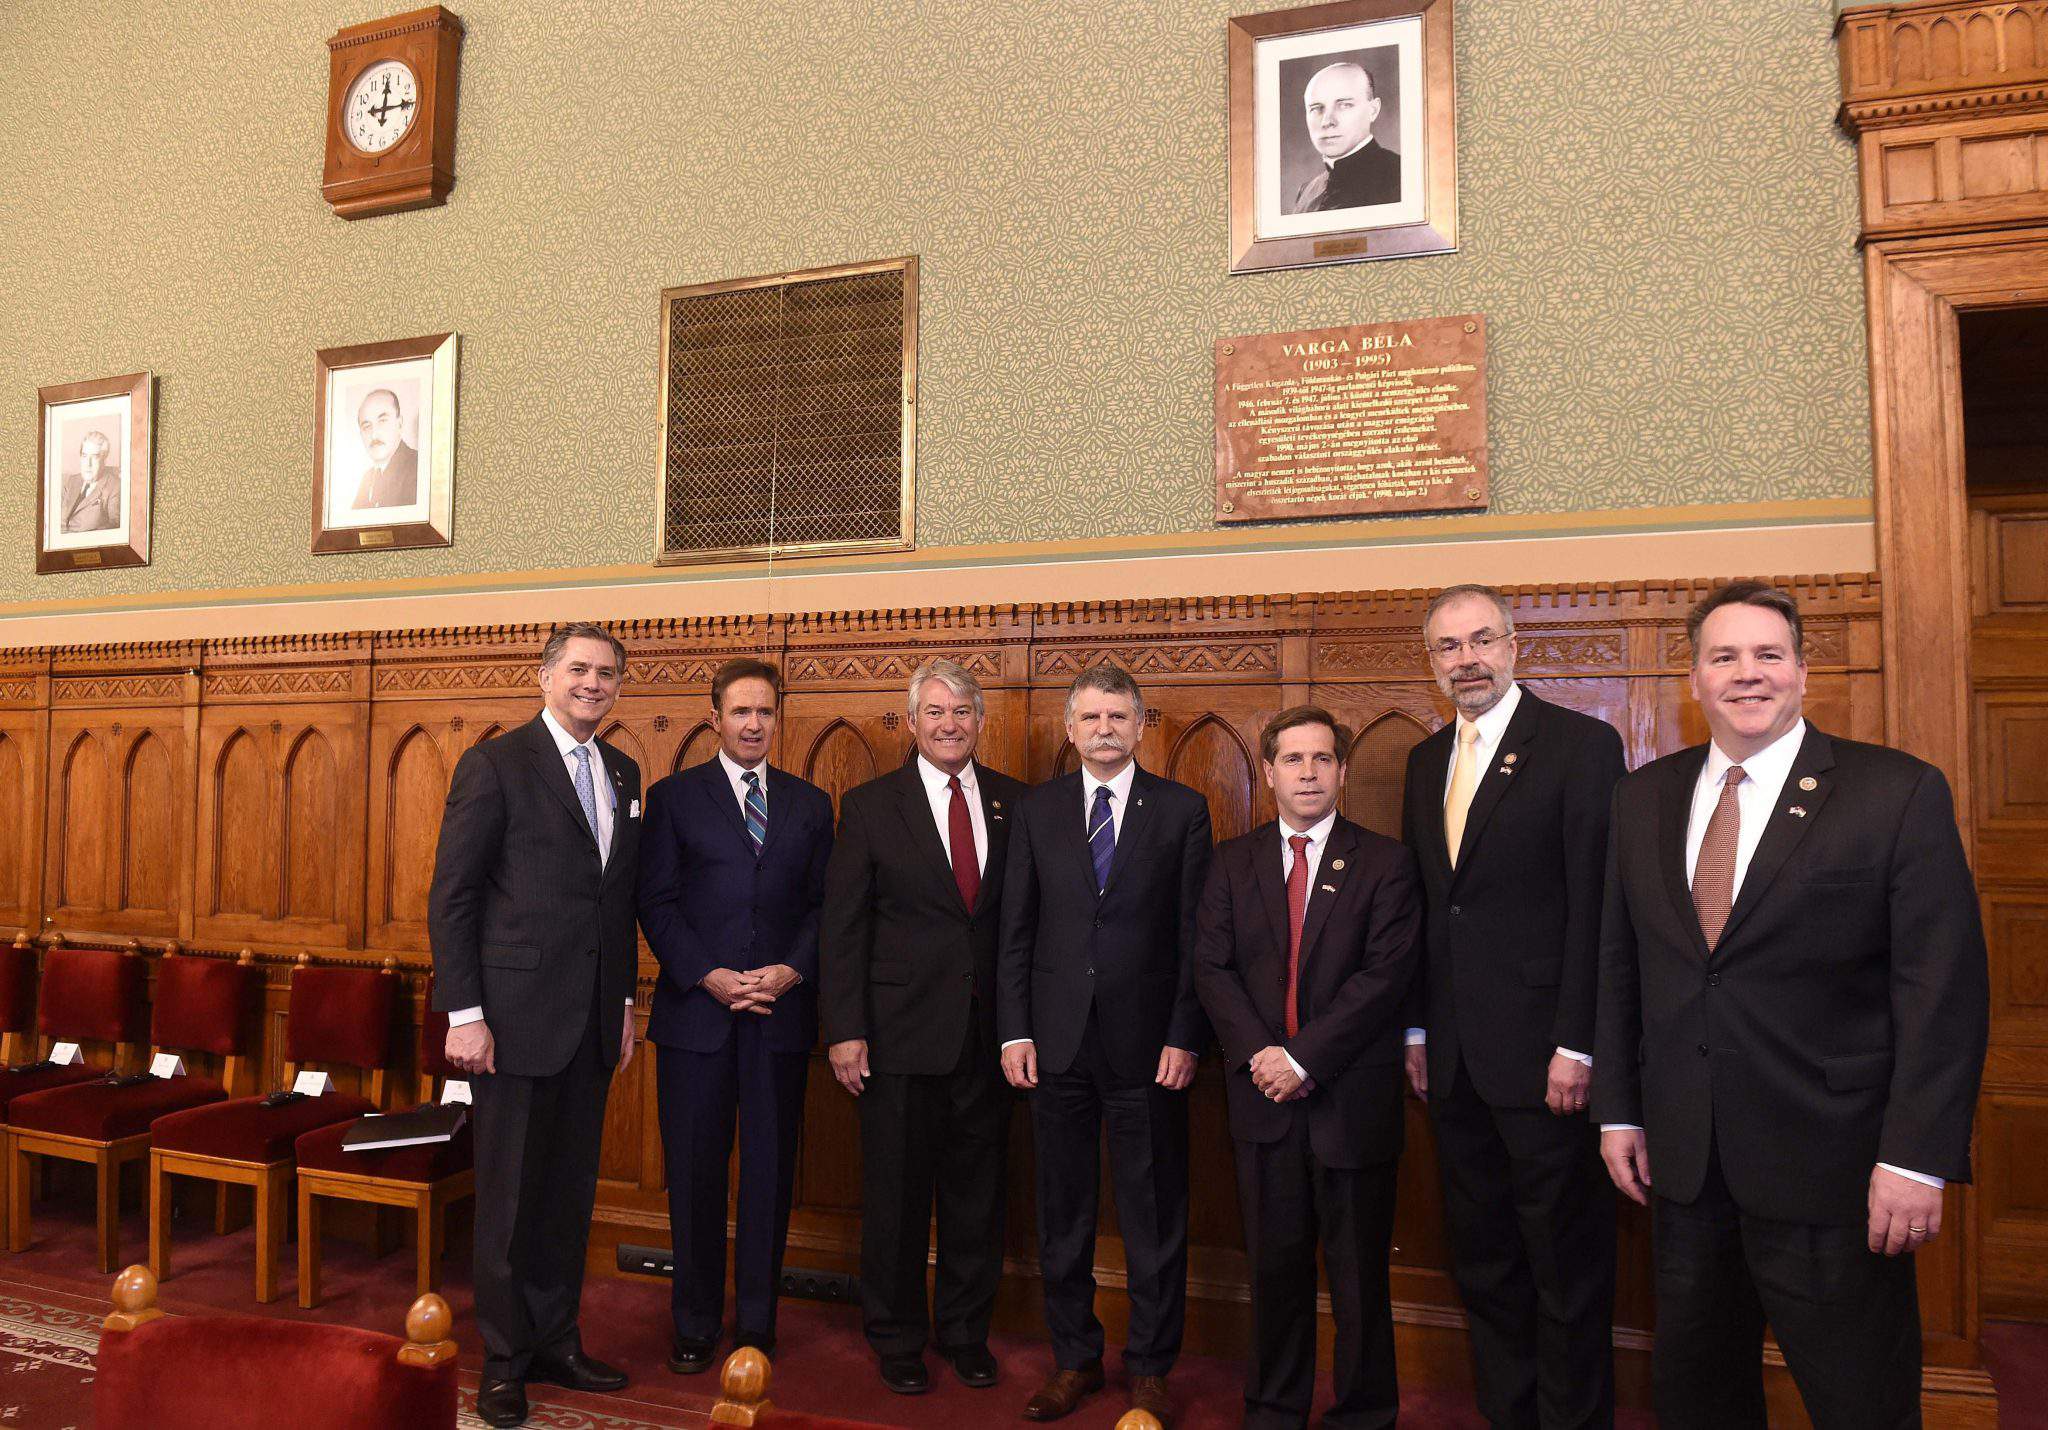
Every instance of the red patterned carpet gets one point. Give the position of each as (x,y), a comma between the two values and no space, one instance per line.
(51,1303)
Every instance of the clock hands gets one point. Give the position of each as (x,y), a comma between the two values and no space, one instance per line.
(386,105)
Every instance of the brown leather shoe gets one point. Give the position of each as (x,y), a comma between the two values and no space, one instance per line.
(1148,1392)
(1067,1389)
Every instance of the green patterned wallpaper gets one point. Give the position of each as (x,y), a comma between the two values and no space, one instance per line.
(1657,217)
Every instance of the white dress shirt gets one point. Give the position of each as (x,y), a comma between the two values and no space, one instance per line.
(1318,840)
(1119,787)
(734,773)
(1763,781)
(1493,728)
(938,789)
(601,790)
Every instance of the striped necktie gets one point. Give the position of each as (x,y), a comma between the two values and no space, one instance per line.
(757,809)
(1101,837)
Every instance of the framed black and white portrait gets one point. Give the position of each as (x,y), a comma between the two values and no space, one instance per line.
(93,473)
(1342,134)
(384,445)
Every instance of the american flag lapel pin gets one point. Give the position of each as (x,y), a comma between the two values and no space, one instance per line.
(1797,811)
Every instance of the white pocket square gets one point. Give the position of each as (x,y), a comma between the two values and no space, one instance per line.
(633,810)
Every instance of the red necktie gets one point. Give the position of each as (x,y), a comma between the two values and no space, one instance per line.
(1297,909)
(960,836)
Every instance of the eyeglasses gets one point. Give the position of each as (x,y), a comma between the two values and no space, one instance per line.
(1448,649)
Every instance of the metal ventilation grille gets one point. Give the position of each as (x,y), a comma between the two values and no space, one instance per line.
(787,409)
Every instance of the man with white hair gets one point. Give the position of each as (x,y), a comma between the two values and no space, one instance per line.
(907,1002)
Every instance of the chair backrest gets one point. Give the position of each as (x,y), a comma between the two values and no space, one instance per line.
(204,1005)
(93,995)
(340,1015)
(17,985)
(223,1372)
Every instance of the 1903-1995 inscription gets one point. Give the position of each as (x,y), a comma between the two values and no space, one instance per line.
(1382,417)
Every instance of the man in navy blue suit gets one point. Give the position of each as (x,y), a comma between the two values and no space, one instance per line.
(732,874)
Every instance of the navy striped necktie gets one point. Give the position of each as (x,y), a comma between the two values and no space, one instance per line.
(757,809)
(1102,837)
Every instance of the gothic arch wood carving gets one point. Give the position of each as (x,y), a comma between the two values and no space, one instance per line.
(1211,757)
(83,804)
(243,839)
(308,886)
(416,787)
(840,758)
(148,823)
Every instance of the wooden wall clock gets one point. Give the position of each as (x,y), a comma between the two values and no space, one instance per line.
(391,113)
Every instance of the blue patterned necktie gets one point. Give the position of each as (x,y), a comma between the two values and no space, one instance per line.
(757,809)
(586,794)
(1101,837)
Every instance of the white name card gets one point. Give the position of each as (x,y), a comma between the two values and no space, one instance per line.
(313,1084)
(455,1090)
(166,1065)
(65,1054)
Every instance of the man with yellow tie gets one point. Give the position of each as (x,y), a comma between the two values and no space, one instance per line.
(1506,811)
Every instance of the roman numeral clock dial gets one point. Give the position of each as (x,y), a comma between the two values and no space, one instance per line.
(391,113)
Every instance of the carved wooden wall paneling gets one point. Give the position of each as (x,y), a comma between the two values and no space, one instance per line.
(306,783)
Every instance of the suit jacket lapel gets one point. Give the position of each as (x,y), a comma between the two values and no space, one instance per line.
(1674,814)
(614,766)
(914,804)
(718,789)
(1324,889)
(995,818)
(1501,771)
(1783,829)
(1072,824)
(1267,858)
(554,774)
(1435,771)
(1134,824)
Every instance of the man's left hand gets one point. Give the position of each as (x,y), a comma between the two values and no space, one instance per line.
(1569,1079)
(1176,1069)
(770,983)
(1905,1215)
(1274,1076)
(627,1042)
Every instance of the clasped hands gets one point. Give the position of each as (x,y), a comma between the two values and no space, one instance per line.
(752,990)
(1274,1075)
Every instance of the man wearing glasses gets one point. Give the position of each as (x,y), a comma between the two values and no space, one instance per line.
(1506,811)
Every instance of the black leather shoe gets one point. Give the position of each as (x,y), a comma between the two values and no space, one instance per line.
(905,1374)
(578,1372)
(501,1402)
(690,1356)
(759,1340)
(973,1364)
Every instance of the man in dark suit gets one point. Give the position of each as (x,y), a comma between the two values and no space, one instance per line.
(1793,1010)
(393,475)
(906,996)
(531,921)
(731,878)
(1308,939)
(1098,1017)
(90,498)
(1506,812)
(1341,103)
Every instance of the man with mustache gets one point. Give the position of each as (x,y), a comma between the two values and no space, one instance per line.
(1794,1003)
(393,476)
(1099,1021)
(1340,104)
(1506,811)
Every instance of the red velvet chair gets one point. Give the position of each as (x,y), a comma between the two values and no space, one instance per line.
(203,1005)
(424,1180)
(254,1372)
(90,995)
(17,998)
(337,1016)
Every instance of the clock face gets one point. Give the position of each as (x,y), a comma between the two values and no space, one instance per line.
(381,106)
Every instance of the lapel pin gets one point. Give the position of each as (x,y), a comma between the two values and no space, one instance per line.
(1798,810)
(1336,863)
(1507,769)
(995,804)
(1809,784)
(1140,804)
(1329,888)
(1508,759)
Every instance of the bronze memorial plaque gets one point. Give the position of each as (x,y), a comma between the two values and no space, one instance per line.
(1346,421)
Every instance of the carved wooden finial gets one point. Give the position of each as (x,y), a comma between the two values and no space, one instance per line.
(134,1299)
(427,1325)
(246,956)
(305,958)
(389,965)
(131,948)
(21,939)
(743,1388)
(172,948)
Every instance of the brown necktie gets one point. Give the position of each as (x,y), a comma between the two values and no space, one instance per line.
(1713,877)
(960,835)
(1464,781)
(1297,910)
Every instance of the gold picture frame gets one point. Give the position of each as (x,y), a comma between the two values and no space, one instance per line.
(384,445)
(1343,134)
(95,473)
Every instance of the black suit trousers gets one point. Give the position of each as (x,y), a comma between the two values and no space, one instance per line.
(1147,1130)
(1530,1213)
(1291,1201)
(921,1137)
(537,1141)
(1847,1319)
(700,1095)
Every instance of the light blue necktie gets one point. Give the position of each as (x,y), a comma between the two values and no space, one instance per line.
(1102,837)
(757,809)
(586,793)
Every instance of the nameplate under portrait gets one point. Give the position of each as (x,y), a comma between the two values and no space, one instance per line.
(1343,143)
(384,445)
